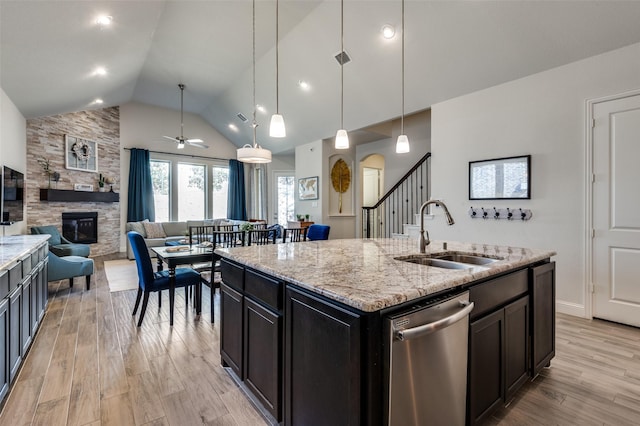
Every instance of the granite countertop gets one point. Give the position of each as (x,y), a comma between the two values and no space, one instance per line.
(364,274)
(14,247)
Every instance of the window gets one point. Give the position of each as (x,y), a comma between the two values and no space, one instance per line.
(285,197)
(161,185)
(191,191)
(219,190)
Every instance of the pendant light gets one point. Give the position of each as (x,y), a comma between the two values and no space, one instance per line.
(277,129)
(402,144)
(342,138)
(255,153)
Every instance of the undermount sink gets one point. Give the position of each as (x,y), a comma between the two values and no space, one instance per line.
(466,258)
(451,260)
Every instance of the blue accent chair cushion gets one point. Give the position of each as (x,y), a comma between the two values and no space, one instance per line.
(69,267)
(59,244)
(318,232)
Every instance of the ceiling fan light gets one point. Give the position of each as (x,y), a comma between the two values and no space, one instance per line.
(253,154)
(180,144)
(342,139)
(276,128)
(402,145)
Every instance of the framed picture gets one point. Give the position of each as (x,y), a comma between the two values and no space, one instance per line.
(308,188)
(81,154)
(500,178)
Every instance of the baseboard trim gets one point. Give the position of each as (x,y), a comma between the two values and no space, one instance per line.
(569,308)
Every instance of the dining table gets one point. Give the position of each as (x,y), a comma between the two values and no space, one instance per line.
(175,256)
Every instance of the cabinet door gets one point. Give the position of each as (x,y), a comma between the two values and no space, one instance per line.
(543,316)
(486,366)
(36,293)
(231,328)
(44,299)
(4,348)
(516,323)
(322,362)
(263,355)
(25,322)
(15,317)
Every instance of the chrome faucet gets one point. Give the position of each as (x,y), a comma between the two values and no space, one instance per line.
(425,242)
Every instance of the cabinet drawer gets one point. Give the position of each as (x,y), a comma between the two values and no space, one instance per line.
(26,265)
(264,289)
(232,274)
(43,251)
(4,284)
(15,276)
(494,293)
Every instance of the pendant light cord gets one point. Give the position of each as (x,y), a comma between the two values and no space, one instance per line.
(254,124)
(402,117)
(342,64)
(277,62)
(181,86)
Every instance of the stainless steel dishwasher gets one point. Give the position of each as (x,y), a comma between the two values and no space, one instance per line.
(427,362)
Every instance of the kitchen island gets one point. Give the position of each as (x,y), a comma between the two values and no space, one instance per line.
(301,323)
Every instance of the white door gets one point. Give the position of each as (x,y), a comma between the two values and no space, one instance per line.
(616,210)
(370,186)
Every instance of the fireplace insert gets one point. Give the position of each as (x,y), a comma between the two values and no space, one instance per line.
(80,227)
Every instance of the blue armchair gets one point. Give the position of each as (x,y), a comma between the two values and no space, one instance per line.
(61,268)
(149,281)
(318,232)
(59,244)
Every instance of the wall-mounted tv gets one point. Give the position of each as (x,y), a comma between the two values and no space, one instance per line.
(12,196)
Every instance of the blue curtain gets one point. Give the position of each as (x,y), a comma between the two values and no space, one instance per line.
(236,204)
(140,204)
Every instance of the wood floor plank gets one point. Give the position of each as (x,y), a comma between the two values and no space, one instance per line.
(146,403)
(85,397)
(52,412)
(57,381)
(116,410)
(21,402)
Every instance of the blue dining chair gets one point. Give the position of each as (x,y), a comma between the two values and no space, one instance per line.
(318,232)
(149,281)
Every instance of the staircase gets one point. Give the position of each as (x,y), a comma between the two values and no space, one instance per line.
(394,213)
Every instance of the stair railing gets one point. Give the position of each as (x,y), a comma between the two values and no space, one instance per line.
(399,205)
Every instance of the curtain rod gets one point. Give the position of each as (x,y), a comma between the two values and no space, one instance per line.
(181,155)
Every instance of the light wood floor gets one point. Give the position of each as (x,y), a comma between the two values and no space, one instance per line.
(90,364)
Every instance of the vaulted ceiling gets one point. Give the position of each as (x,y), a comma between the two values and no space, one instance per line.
(49,50)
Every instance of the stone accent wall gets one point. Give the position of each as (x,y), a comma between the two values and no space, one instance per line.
(46,138)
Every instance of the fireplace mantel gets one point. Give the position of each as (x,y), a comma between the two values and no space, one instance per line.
(78,196)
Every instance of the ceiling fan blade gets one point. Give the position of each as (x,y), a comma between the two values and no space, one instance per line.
(198,144)
(195,140)
(170,138)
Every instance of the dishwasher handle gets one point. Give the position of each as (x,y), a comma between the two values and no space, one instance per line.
(412,333)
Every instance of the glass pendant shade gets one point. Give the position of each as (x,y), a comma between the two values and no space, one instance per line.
(342,139)
(181,145)
(402,144)
(277,129)
(253,154)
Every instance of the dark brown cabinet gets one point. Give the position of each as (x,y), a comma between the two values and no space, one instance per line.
(322,362)
(231,327)
(543,315)
(263,355)
(516,345)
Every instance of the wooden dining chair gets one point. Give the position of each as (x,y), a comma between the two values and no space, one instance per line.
(201,234)
(149,281)
(220,239)
(259,237)
(294,235)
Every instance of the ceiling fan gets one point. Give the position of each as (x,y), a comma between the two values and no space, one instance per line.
(181,140)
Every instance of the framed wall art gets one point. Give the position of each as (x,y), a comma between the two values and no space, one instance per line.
(308,188)
(81,154)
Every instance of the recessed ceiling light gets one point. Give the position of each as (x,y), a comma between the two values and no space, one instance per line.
(233,127)
(100,71)
(98,101)
(304,85)
(261,108)
(104,20)
(388,31)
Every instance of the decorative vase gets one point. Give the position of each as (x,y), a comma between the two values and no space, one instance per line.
(102,189)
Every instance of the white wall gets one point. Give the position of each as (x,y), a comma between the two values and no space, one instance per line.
(309,163)
(543,115)
(13,148)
